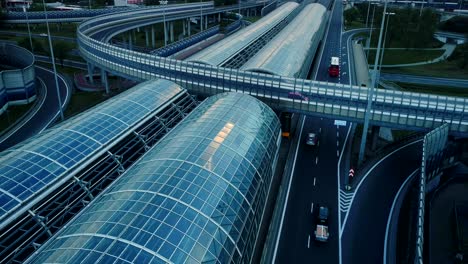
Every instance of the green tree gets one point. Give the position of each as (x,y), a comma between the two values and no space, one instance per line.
(61,50)
(351,15)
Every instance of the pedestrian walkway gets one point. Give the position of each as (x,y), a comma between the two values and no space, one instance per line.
(449,48)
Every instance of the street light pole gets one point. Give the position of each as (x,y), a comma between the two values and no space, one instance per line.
(29,30)
(164,3)
(201,16)
(420,10)
(368,9)
(53,63)
(383,48)
(362,148)
(370,32)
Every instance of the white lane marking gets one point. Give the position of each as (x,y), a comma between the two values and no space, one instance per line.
(344,144)
(337,132)
(367,174)
(308,242)
(312,208)
(337,153)
(318,143)
(314,180)
(320,130)
(337,143)
(63,103)
(391,213)
(316,160)
(24,122)
(287,193)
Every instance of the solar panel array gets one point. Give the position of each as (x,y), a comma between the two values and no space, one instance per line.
(218,53)
(293,47)
(197,196)
(33,167)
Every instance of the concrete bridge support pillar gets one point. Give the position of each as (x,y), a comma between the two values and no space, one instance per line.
(375,137)
(219,17)
(206,22)
(130,44)
(201,23)
(188,27)
(153,40)
(147,37)
(184,24)
(171,29)
(165,33)
(104,80)
(90,73)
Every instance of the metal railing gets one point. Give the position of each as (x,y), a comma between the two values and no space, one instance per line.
(390,108)
(17,86)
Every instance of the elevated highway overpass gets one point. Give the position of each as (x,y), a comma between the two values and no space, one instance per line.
(390,108)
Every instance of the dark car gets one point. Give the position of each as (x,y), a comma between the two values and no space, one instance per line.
(297,95)
(321,228)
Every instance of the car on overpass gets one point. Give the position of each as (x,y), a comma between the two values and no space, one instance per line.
(297,95)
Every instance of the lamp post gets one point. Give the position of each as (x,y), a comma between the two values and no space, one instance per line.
(371,91)
(420,10)
(29,30)
(370,32)
(368,8)
(383,48)
(53,63)
(164,3)
(201,16)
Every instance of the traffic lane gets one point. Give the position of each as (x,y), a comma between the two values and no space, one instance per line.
(45,114)
(332,44)
(461,83)
(297,241)
(364,230)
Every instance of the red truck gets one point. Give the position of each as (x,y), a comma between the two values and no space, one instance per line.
(334,69)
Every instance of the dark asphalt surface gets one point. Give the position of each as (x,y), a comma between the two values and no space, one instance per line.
(319,165)
(40,119)
(364,229)
(461,83)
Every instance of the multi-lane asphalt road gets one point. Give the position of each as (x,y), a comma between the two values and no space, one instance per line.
(45,111)
(314,176)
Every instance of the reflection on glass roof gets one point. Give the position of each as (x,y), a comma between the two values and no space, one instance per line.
(34,166)
(286,53)
(190,199)
(219,52)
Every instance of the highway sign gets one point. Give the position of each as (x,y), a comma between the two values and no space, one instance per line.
(340,123)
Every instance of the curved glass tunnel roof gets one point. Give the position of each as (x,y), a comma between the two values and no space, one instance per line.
(36,166)
(221,51)
(286,53)
(190,199)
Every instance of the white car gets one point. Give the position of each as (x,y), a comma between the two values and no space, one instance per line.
(311,139)
(43,35)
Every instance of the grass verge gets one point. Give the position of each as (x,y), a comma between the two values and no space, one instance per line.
(392,57)
(430,89)
(63,30)
(444,69)
(13,113)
